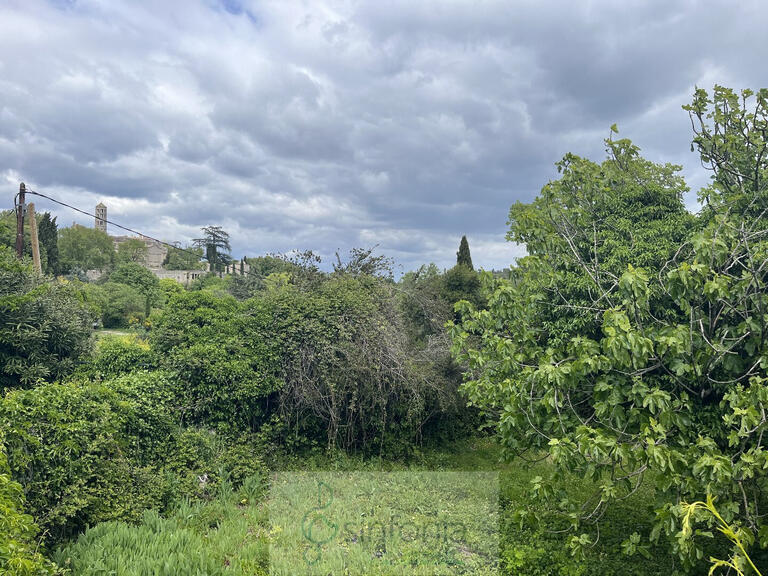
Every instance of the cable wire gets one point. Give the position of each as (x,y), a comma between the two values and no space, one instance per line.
(115,224)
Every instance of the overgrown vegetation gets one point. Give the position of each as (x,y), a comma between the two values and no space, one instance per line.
(622,364)
(44,330)
(630,345)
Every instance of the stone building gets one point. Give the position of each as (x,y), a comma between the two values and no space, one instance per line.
(156,251)
(101,217)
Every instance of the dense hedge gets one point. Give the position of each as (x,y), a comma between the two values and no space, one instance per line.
(90,452)
(43,327)
(334,359)
(18,550)
(225,357)
(82,452)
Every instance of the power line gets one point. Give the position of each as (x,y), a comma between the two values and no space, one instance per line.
(115,224)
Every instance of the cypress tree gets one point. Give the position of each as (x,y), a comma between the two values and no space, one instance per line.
(463,258)
(47,232)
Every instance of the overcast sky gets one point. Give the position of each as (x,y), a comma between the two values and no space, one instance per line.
(329,125)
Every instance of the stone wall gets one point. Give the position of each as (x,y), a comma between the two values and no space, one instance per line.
(156,251)
(181,276)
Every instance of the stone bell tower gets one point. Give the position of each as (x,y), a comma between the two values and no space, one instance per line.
(101,217)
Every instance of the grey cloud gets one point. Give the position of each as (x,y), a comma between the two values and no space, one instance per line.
(330,124)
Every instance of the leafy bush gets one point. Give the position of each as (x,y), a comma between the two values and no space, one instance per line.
(85,452)
(330,353)
(18,554)
(199,461)
(622,373)
(117,355)
(82,248)
(91,452)
(347,365)
(123,305)
(222,354)
(141,279)
(44,329)
(116,305)
(167,289)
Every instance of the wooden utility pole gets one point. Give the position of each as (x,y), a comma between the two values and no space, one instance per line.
(33,238)
(20,221)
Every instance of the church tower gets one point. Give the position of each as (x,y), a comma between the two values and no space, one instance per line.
(101,217)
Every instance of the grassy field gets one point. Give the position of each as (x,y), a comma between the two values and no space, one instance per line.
(233,533)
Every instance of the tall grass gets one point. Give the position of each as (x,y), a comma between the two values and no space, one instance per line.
(226,536)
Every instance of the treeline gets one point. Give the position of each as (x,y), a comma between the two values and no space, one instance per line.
(217,380)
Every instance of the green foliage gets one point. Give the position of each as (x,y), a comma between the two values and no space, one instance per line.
(121,305)
(215,243)
(212,283)
(125,300)
(47,233)
(255,281)
(138,277)
(424,308)
(585,229)
(363,261)
(222,353)
(167,289)
(117,355)
(200,461)
(92,452)
(463,257)
(84,452)
(82,248)
(345,364)
(462,283)
(330,353)
(184,258)
(8,228)
(630,344)
(18,553)
(299,269)
(225,536)
(730,135)
(534,541)
(263,266)
(43,327)
(131,250)
(739,561)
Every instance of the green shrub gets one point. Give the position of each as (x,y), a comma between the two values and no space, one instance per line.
(123,305)
(167,289)
(223,356)
(18,554)
(140,279)
(117,355)
(91,452)
(350,379)
(44,329)
(534,539)
(333,358)
(200,461)
(85,452)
